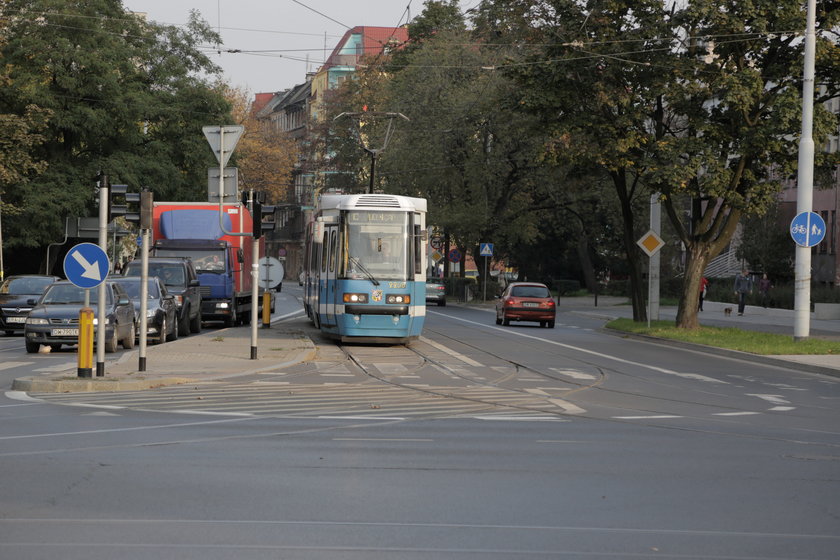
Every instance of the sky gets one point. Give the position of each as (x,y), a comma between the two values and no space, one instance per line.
(286,38)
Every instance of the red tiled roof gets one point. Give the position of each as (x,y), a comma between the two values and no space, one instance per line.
(260,100)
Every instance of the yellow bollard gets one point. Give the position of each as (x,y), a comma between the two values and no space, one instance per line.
(85,342)
(266,310)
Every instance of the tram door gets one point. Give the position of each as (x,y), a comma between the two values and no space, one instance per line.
(327,284)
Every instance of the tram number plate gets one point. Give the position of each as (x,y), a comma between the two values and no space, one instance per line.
(530,304)
(65,332)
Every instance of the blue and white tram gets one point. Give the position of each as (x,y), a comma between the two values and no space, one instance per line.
(365,267)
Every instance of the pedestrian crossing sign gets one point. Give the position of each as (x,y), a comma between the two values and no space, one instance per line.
(485,249)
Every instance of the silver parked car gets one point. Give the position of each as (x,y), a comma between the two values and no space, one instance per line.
(54,320)
(161,310)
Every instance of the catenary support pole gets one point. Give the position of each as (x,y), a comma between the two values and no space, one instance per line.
(805,182)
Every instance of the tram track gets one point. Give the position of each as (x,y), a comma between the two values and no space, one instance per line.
(452,393)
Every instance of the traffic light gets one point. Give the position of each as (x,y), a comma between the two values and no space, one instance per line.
(263,217)
(134,207)
(118,204)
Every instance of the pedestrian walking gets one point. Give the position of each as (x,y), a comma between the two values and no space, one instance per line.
(743,286)
(764,286)
(704,283)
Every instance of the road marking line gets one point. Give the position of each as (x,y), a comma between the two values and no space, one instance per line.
(380,439)
(467,360)
(9,365)
(593,353)
(567,406)
(772,399)
(521,418)
(653,417)
(371,417)
(735,413)
(782,408)
(574,374)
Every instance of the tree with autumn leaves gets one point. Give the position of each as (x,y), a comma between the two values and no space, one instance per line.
(265,156)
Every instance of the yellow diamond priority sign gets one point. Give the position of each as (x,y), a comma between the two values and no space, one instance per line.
(650,243)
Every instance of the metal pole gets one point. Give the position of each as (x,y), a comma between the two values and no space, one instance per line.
(103,244)
(255,275)
(484,297)
(805,182)
(144,298)
(654,261)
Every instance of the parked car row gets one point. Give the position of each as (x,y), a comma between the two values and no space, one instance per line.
(46,308)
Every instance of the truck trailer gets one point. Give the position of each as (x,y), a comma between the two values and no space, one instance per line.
(223,261)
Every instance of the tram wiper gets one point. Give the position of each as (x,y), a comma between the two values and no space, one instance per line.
(364,270)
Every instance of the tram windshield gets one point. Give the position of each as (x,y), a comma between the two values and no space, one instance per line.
(375,245)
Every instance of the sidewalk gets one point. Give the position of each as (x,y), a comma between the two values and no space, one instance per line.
(777,321)
(204,357)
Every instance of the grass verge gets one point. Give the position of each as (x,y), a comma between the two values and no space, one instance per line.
(731,338)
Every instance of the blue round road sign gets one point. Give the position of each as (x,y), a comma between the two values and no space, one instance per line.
(454,256)
(807,229)
(86,265)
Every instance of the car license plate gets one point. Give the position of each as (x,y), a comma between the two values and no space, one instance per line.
(15,319)
(530,304)
(65,332)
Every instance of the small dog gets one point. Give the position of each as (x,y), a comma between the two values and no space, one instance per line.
(727,311)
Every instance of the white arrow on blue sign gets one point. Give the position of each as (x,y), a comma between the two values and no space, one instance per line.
(86,265)
(807,229)
(485,249)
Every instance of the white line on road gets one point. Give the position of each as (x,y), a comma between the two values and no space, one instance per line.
(467,360)
(772,399)
(652,417)
(694,376)
(9,365)
(574,374)
(735,413)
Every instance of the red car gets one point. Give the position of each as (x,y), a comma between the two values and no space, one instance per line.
(526,301)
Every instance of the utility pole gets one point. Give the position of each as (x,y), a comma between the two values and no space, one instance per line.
(805,182)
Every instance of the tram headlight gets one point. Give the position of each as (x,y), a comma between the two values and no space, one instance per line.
(398,299)
(355,298)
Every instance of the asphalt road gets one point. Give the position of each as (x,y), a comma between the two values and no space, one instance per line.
(479,442)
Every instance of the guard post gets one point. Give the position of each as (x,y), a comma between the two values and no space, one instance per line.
(266,310)
(85,363)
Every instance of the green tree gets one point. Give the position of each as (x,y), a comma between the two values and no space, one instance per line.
(124,96)
(593,102)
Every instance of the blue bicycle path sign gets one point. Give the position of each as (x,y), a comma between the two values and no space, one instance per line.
(86,265)
(807,229)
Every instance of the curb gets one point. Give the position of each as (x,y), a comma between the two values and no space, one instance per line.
(104,384)
(727,353)
(64,382)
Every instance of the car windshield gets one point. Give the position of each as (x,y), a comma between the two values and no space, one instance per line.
(169,274)
(530,291)
(25,286)
(375,244)
(204,260)
(70,294)
(132,287)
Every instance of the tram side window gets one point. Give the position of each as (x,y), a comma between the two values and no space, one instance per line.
(324,253)
(333,251)
(418,249)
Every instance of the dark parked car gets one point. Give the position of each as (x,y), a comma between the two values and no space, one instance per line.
(15,295)
(55,319)
(526,301)
(161,310)
(181,280)
(435,291)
